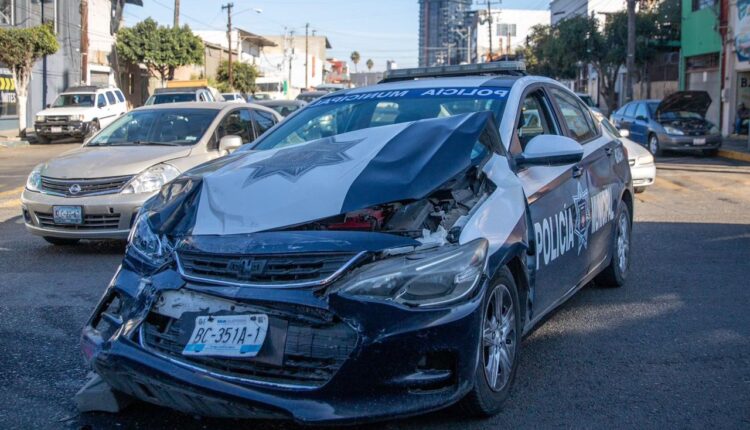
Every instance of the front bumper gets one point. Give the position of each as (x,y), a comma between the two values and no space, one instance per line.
(107,216)
(689,143)
(643,174)
(404,361)
(62,129)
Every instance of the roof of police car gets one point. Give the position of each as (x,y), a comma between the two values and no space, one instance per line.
(460,81)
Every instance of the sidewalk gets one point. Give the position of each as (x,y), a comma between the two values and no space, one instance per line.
(735,147)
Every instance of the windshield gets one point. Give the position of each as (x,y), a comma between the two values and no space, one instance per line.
(171,127)
(335,115)
(173,98)
(74,100)
(229,96)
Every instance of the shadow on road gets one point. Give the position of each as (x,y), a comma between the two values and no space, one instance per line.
(652,353)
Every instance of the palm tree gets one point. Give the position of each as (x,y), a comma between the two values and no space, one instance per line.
(355,59)
(370,63)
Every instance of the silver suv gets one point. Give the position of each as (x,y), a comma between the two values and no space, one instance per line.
(94,191)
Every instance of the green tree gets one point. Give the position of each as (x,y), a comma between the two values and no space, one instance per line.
(355,59)
(21,48)
(370,64)
(160,48)
(243,76)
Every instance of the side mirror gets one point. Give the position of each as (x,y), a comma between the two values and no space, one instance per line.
(550,150)
(624,132)
(230,142)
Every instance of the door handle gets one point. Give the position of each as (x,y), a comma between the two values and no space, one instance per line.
(609,151)
(577,171)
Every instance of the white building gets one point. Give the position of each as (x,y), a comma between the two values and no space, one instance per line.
(287,63)
(562,9)
(509,30)
(248,45)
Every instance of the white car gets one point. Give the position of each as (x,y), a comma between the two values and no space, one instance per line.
(79,112)
(642,167)
(234,97)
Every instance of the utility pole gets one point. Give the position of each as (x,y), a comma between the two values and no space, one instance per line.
(84,40)
(307,29)
(630,59)
(291,57)
(228,8)
(489,27)
(176,13)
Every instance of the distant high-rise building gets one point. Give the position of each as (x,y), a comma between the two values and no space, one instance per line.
(445,32)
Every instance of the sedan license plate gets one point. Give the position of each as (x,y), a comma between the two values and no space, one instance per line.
(699,141)
(227,335)
(67,214)
(55,129)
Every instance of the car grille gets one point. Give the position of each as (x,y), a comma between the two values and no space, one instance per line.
(313,350)
(90,222)
(88,187)
(274,269)
(56,119)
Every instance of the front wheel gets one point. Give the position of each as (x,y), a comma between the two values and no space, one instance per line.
(499,348)
(653,145)
(617,271)
(93,128)
(43,139)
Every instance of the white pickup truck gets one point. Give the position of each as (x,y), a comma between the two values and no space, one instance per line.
(79,112)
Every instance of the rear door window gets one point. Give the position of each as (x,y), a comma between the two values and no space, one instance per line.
(120,96)
(263,120)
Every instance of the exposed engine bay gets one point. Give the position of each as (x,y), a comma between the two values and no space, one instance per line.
(688,125)
(443,213)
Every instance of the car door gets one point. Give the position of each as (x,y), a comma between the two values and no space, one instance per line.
(639,128)
(601,153)
(102,110)
(109,113)
(553,194)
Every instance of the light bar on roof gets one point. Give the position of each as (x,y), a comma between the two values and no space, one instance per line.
(496,67)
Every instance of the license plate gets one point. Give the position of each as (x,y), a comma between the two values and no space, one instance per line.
(227,335)
(699,141)
(67,214)
(55,129)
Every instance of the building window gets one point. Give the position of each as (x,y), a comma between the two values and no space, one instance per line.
(8,104)
(505,30)
(6,12)
(703,4)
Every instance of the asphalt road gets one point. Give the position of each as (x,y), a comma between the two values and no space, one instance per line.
(671,349)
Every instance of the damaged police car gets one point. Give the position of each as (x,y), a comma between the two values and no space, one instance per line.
(380,253)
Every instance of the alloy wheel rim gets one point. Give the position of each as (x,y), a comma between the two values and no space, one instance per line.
(499,338)
(623,243)
(653,145)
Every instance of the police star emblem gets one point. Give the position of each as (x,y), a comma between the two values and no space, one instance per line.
(583,216)
(293,163)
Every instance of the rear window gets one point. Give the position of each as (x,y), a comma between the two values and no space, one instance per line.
(111,97)
(173,98)
(120,96)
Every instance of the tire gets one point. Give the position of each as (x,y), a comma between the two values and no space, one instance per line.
(500,348)
(43,140)
(653,145)
(93,129)
(710,152)
(616,273)
(639,190)
(60,241)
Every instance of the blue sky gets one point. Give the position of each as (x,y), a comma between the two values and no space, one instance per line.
(378,29)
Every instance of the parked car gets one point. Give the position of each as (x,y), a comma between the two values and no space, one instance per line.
(179,95)
(79,112)
(641,161)
(283,107)
(309,96)
(677,123)
(95,190)
(352,266)
(234,97)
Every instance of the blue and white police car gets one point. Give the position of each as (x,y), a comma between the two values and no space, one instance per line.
(380,253)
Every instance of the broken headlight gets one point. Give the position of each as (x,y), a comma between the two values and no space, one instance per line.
(427,278)
(148,245)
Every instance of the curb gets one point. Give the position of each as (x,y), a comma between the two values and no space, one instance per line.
(13,143)
(734,155)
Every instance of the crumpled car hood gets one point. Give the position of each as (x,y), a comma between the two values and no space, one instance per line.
(250,192)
